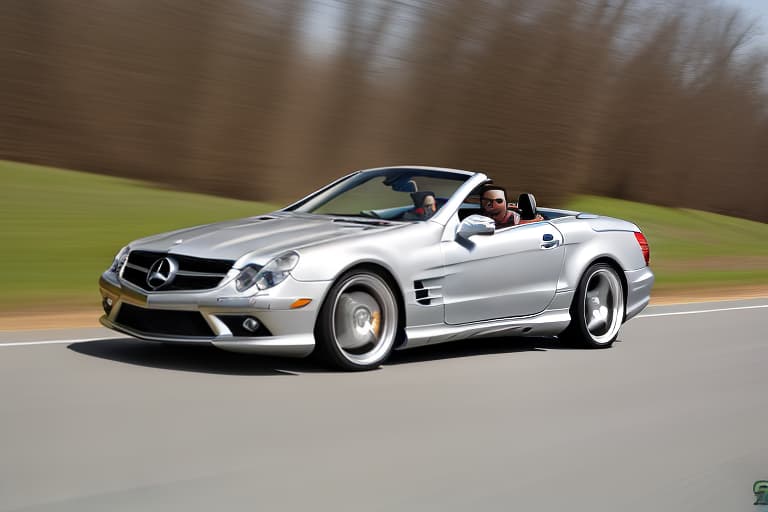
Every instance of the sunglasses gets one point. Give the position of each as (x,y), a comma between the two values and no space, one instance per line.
(497,200)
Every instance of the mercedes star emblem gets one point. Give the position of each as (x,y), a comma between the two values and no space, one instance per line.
(162,273)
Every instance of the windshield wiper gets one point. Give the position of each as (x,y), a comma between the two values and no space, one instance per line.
(358,219)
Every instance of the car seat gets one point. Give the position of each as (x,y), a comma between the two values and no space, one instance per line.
(527,205)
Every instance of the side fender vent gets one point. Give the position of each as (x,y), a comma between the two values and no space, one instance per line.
(428,293)
(422,295)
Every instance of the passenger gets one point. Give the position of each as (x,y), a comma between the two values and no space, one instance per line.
(493,204)
(425,206)
(429,204)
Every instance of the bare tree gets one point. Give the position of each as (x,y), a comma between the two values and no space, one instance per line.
(659,102)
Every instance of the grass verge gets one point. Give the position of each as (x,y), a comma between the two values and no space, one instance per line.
(691,248)
(60,229)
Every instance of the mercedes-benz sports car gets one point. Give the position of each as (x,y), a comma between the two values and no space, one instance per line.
(381,259)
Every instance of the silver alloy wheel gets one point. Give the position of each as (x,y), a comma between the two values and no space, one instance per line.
(364,321)
(603,305)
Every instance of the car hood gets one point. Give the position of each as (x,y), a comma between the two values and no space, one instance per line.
(261,238)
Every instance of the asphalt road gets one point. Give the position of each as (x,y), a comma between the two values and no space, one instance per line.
(673,417)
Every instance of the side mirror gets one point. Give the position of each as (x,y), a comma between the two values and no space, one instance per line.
(476,225)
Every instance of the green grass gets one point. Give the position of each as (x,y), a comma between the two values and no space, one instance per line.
(60,229)
(692,248)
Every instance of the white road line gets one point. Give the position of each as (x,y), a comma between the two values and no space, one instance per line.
(701,311)
(52,342)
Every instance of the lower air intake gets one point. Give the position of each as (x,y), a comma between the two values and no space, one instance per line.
(164,322)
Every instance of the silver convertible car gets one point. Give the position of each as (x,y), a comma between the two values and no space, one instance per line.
(358,269)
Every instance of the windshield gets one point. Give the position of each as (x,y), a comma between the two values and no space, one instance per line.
(394,194)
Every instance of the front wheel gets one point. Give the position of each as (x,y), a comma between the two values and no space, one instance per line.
(357,324)
(597,309)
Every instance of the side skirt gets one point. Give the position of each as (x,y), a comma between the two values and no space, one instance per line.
(548,323)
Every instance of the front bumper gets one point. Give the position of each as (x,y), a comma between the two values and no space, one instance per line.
(286,331)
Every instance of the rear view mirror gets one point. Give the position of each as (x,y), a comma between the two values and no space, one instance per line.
(476,225)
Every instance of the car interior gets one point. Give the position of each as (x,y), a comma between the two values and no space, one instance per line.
(525,206)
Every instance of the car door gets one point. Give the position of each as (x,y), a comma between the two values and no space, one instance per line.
(513,272)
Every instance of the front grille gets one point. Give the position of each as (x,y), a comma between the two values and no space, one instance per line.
(192,274)
(161,321)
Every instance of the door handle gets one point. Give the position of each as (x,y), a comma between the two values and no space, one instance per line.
(549,242)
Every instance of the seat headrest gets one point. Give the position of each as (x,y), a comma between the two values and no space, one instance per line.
(527,205)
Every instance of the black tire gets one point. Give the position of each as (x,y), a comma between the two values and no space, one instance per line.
(358,323)
(597,310)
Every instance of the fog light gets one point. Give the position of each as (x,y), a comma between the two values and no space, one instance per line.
(251,324)
(107,304)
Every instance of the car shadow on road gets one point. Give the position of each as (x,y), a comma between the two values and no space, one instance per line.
(475,347)
(208,359)
(192,358)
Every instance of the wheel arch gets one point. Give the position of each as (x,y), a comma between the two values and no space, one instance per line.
(386,274)
(620,271)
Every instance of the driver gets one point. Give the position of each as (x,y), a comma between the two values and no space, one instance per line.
(493,203)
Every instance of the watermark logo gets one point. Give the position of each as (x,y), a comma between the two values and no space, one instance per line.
(760,488)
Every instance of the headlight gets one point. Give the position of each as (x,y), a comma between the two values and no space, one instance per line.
(270,274)
(120,260)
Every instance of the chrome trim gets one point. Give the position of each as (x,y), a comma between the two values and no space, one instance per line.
(188,273)
(191,273)
(163,270)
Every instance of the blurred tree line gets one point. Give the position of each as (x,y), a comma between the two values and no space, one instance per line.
(663,102)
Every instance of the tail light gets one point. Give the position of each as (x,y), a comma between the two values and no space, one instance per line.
(643,246)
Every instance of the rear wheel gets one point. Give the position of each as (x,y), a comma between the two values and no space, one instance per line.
(357,324)
(597,309)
